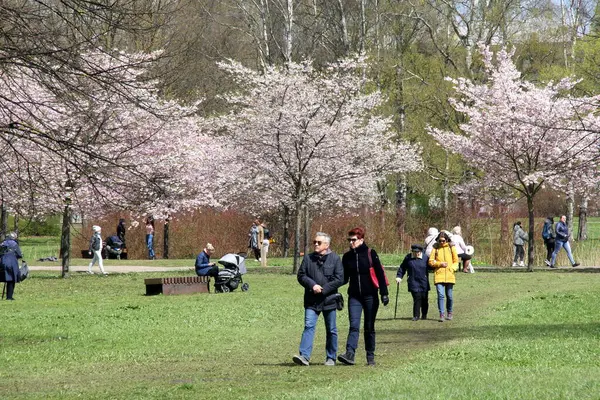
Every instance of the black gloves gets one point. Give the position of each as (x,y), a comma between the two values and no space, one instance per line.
(385,299)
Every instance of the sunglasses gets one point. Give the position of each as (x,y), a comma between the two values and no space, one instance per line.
(352,240)
(317,242)
(442,240)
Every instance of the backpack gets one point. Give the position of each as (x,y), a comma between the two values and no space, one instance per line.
(546,234)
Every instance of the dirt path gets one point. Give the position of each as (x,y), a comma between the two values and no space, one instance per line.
(114,269)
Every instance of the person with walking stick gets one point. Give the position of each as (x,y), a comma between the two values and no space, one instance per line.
(415,264)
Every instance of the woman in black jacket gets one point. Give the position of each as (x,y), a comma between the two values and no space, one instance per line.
(366,277)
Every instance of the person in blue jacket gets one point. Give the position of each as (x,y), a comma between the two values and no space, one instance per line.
(10,252)
(562,240)
(415,264)
(203,265)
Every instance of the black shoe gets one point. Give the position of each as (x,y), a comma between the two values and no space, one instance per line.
(11,298)
(424,317)
(415,318)
(346,358)
(301,360)
(370,362)
(552,266)
(575,265)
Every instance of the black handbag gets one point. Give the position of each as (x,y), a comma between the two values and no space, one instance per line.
(336,298)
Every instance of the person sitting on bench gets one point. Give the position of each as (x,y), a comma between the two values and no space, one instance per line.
(203,265)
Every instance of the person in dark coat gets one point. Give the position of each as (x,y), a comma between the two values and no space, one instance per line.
(10,253)
(121,231)
(203,265)
(415,264)
(366,277)
(321,274)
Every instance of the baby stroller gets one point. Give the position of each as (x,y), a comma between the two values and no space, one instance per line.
(114,247)
(231,277)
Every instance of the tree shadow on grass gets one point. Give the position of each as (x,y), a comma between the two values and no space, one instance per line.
(433,332)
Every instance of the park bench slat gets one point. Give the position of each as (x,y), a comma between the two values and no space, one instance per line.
(177,285)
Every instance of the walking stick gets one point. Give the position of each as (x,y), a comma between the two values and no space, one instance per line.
(397,289)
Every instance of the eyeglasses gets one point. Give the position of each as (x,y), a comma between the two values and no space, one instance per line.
(352,240)
(317,242)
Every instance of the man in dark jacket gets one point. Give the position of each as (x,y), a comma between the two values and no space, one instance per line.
(415,264)
(9,253)
(321,273)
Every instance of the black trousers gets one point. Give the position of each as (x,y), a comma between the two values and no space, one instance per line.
(420,304)
(10,289)
(549,248)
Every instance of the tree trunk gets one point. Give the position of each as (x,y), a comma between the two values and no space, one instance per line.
(166,239)
(65,240)
(401,190)
(570,207)
(531,242)
(363,28)
(289,39)
(297,236)
(447,190)
(286,231)
(582,231)
(344,28)
(16,224)
(306,230)
(3,221)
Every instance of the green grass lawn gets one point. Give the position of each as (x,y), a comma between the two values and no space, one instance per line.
(514,336)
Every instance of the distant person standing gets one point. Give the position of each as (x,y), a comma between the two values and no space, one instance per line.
(461,249)
(10,252)
(415,265)
(548,235)
(562,240)
(265,244)
(121,229)
(96,249)
(255,239)
(519,238)
(150,237)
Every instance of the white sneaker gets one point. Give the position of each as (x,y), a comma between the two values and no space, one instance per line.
(514,264)
(521,264)
(547,262)
(90,272)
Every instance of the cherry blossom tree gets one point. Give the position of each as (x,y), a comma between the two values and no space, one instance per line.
(306,138)
(519,135)
(104,147)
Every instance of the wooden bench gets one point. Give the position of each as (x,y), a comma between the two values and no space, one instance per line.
(177,285)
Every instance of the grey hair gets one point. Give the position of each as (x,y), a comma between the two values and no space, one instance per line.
(12,235)
(324,235)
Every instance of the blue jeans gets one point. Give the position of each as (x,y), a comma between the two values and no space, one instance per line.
(444,290)
(557,246)
(310,322)
(356,306)
(150,245)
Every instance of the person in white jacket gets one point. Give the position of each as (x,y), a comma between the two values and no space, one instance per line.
(461,249)
(432,234)
(96,249)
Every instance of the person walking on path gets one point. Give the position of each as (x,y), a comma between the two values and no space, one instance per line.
(519,238)
(96,249)
(444,262)
(562,240)
(366,277)
(415,264)
(548,235)
(321,274)
(10,252)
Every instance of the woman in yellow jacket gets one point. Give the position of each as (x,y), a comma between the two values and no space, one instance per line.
(444,261)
